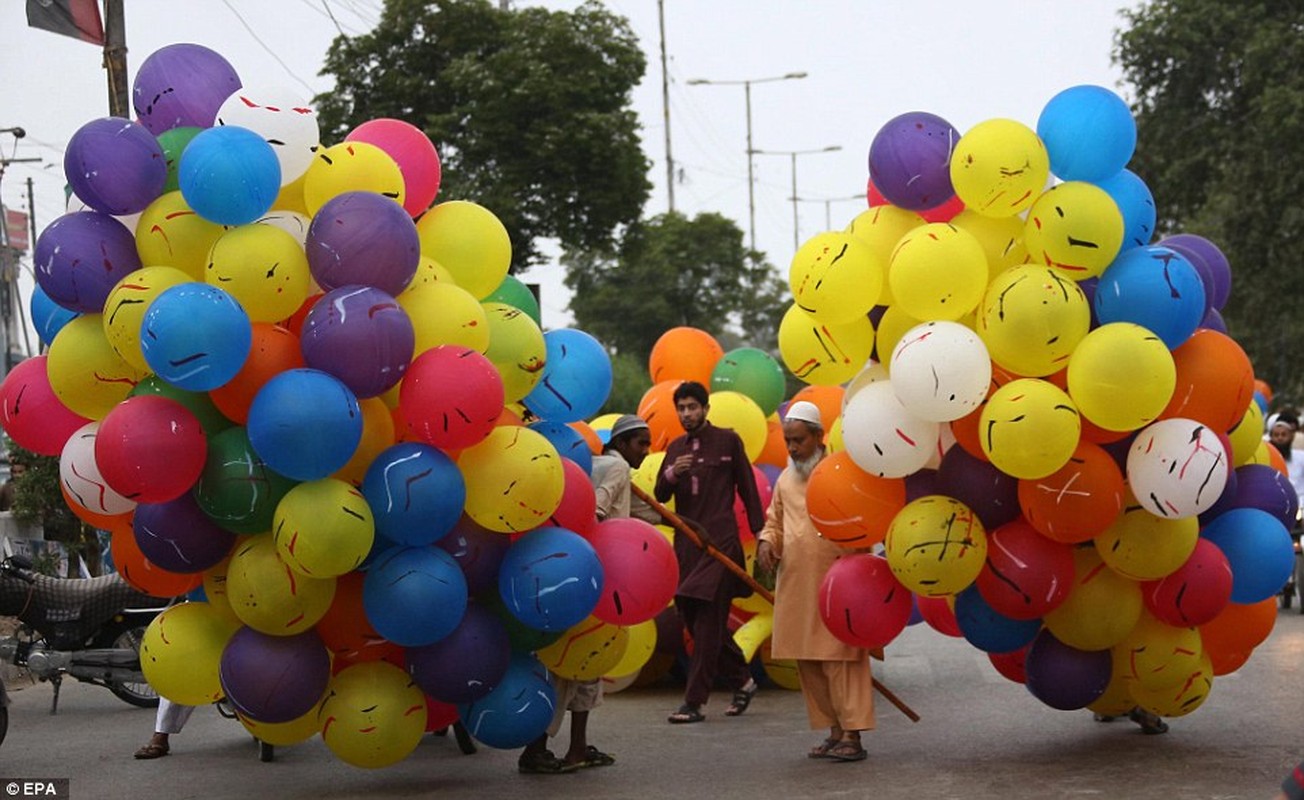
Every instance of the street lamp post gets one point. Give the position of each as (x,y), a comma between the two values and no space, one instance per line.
(792,154)
(747,91)
(828,201)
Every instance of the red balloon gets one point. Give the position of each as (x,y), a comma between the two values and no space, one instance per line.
(1194,593)
(32,414)
(639,571)
(150,449)
(939,615)
(439,715)
(451,397)
(578,508)
(945,211)
(346,631)
(1026,574)
(1011,664)
(861,601)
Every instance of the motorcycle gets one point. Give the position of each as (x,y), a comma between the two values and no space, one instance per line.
(89,629)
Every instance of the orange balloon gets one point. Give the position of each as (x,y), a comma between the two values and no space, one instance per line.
(1227,663)
(850,507)
(1238,629)
(377,434)
(1277,461)
(828,399)
(1262,387)
(111,523)
(1079,500)
(684,354)
(775,452)
(274,351)
(1215,381)
(345,630)
(143,575)
(590,436)
(657,408)
(966,428)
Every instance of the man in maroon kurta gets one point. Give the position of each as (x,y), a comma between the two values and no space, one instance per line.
(703,470)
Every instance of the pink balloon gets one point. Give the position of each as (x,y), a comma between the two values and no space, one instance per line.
(939,615)
(765,491)
(32,414)
(861,601)
(451,397)
(578,509)
(1026,574)
(639,571)
(1194,593)
(150,449)
(414,153)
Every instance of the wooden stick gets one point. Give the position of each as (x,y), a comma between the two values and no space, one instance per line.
(677,522)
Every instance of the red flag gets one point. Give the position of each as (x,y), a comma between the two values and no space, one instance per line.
(79,19)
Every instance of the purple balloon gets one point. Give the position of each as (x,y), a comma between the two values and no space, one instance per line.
(182,85)
(1257,486)
(991,494)
(81,256)
(478,551)
(1213,320)
(922,483)
(115,166)
(360,335)
(179,537)
(363,238)
(910,160)
(274,678)
(1065,677)
(1209,261)
(465,665)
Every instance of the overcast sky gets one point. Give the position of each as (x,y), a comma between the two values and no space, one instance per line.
(866,60)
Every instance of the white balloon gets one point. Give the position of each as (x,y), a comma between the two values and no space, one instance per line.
(80,475)
(283,118)
(941,370)
(883,437)
(1177,468)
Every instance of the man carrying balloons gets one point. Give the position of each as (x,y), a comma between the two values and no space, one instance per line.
(835,676)
(703,470)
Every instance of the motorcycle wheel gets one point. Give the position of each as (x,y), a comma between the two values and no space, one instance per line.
(136,694)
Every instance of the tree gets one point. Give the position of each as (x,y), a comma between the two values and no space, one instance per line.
(38,500)
(671,271)
(1220,112)
(530,110)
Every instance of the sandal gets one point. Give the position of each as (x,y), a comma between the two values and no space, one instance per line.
(152,750)
(543,762)
(686,714)
(1151,724)
(742,699)
(593,757)
(848,751)
(822,749)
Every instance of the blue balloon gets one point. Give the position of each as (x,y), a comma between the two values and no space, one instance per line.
(1155,288)
(568,441)
(1136,203)
(1089,133)
(1258,548)
(550,579)
(195,336)
(414,596)
(576,380)
(517,711)
(229,175)
(989,630)
(1261,402)
(48,317)
(466,664)
(305,424)
(416,493)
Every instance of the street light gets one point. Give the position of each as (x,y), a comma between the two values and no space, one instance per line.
(828,201)
(833,148)
(747,91)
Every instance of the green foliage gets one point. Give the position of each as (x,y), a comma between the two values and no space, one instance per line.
(671,271)
(1219,102)
(530,110)
(630,381)
(39,501)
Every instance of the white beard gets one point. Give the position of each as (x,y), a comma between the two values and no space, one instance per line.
(804,467)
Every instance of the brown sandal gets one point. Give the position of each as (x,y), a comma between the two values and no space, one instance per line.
(152,750)
(848,751)
(822,749)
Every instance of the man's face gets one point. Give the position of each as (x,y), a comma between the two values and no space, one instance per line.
(634,448)
(802,442)
(691,413)
(1281,435)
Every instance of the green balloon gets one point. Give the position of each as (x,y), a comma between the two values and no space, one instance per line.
(173,142)
(515,293)
(237,489)
(751,372)
(210,419)
(523,638)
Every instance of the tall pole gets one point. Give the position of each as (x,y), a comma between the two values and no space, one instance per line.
(751,180)
(665,107)
(792,156)
(115,57)
(795,237)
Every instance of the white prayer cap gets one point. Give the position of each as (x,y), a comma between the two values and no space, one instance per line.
(804,411)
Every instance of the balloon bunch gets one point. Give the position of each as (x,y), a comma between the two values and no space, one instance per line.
(276,370)
(1057,443)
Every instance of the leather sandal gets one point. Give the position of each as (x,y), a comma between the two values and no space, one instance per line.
(742,699)
(822,749)
(152,750)
(686,714)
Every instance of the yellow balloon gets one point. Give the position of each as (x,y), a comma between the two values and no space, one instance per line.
(835,277)
(1101,609)
(740,413)
(290,197)
(936,546)
(642,643)
(181,653)
(645,478)
(1074,228)
(171,234)
(323,528)
(753,633)
(430,271)
(215,590)
(514,480)
(603,422)
(834,441)
(86,374)
(824,354)
(938,272)
(470,242)
(1157,655)
(282,734)
(516,349)
(1145,547)
(587,651)
(262,267)
(1031,319)
(1181,698)
(350,167)
(1246,439)
(373,715)
(1029,428)
(377,435)
(269,596)
(783,671)
(444,313)
(1121,376)
(1001,238)
(881,227)
(125,307)
(999,168)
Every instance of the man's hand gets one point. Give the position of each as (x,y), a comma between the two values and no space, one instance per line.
(765,556)
(683,464)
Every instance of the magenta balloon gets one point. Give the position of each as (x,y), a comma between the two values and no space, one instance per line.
(81,256)
(1194,593)
(32,414)
(910,160)
(861,601)
(150,449)
(182,85)
(639,571)
(274,678)
(115,165)
(414,153)
(363,238)
(451,397)
(360,335)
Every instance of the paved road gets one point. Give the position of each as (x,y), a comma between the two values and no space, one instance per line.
(981,737)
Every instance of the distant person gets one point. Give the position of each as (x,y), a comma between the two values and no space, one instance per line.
(835,676)
(703,470)
(9,490)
